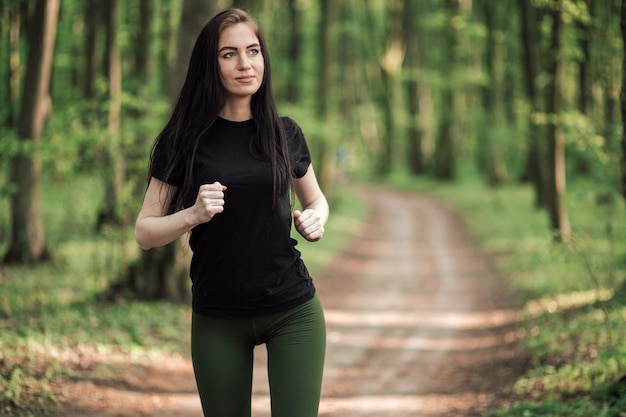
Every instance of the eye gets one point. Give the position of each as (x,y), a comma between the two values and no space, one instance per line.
(228,55)
(254,51)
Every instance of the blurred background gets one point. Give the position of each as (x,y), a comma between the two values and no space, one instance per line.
(509,109)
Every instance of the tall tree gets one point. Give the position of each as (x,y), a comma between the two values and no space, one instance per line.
(11,24)
(584,82)
(531,51)
(113,159)
(294,46)
(28,242)
(144,62)
(391,66)
(162,273)
(557,208)
(444,163)
(490,159)
(414,87)
(195,14)
(92,14)
(623,102)
(322,144)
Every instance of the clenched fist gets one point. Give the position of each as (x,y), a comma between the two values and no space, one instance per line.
(308,224)
(209,202)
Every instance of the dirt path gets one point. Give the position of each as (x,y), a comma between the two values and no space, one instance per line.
(417,326)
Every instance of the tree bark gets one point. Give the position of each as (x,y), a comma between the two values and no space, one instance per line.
(444,168)
(324,157)
(557,208)
(114,166)
(488,157)
(294,47)
(411,36)
(12,15)
(391,66)
(92,12)
(163,272)
(584,83)
(28,242)
(623,103)
(144,68)
(195,14)
(534,170)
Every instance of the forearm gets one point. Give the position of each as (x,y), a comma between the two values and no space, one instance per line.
(156,228)
(154,231)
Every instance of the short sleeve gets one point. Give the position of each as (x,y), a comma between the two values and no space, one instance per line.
(161,157)
(299,154)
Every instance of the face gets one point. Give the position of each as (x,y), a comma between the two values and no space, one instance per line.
(240,61)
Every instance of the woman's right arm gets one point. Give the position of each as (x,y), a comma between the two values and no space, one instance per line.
(154,227)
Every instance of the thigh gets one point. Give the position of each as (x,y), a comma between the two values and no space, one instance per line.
(296,351)
(222,355)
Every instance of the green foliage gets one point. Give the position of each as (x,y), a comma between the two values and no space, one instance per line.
(574,407)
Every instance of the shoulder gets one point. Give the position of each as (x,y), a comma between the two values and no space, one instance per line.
(293,132)
(289,124)
(166,139)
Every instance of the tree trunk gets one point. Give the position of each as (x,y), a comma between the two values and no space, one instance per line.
(534,170)
(584,82)
(324,156)
(323,69)
(11,90)
(444,152)
(294,47)
(195,14)
(557,208)
(114,166)
(489,159)
(623,103)
(415,158)
(92,12)
(144,68)
(163,273)
(28,243)
(391,66)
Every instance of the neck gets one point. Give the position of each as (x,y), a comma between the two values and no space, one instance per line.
(237,110)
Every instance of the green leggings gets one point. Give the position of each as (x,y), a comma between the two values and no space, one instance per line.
(222,353)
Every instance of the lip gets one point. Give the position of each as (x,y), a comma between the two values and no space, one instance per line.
(246,79)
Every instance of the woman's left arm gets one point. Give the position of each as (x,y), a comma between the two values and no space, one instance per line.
(311,220)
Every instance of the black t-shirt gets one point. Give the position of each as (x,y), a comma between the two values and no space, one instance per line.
(244,260)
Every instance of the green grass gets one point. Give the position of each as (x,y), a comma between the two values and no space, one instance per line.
(572,297)
(52,315)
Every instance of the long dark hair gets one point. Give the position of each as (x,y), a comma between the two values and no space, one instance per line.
(199,103)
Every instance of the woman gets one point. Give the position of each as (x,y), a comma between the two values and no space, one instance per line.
(223,168)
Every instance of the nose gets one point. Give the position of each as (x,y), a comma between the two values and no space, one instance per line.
(244,62)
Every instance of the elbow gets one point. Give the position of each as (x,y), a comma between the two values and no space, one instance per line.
(145,246)
(142,243)
(141,238)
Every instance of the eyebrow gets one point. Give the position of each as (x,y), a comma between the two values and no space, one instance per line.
(254,45)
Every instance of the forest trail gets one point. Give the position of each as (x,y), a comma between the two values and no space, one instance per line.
(418,325)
